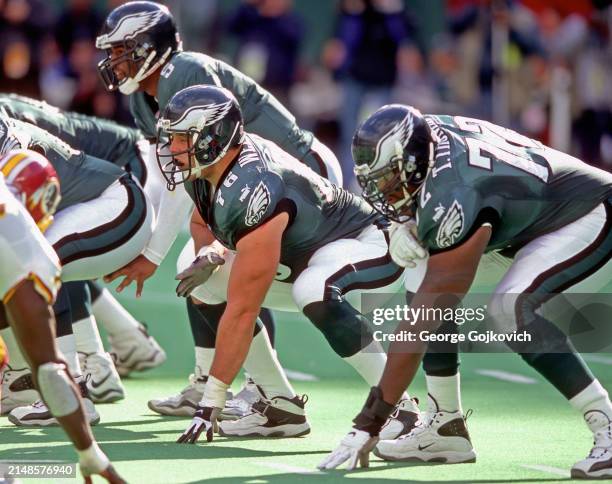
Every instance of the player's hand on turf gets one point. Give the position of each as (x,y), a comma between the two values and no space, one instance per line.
(139,270)
(355,447)
(404,245)
(198,272)
(204,421)
(109,474)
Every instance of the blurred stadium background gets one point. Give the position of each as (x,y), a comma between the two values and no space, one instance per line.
(540,67)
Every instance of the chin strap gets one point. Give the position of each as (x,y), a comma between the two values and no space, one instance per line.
(130,85)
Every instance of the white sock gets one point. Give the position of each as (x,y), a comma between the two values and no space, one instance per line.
(263,366)
(67,346)
(446,391)
(16,359)
(203,359)
(370,362)
(594,404)
(87,336)
(111,315)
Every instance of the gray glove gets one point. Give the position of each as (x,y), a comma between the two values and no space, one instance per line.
(198,273)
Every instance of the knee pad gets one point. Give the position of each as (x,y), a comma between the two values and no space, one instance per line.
(56,388)
(345,328)
(552,355)
(545,337)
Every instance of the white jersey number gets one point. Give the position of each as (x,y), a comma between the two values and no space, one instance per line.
(502,144)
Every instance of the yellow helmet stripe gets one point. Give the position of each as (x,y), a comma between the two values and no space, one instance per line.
(12,162)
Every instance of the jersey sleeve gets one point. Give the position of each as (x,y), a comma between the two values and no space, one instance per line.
(451,219)
(250,205)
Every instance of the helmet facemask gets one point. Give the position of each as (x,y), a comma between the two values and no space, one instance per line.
(203,150)
(392,190)
(138,56)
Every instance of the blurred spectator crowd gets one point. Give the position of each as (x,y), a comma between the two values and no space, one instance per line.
(532,65)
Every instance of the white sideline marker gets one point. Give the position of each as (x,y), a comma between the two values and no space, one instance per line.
(300,376)
(506,376)
(287,468)
(549,469)
(605,360)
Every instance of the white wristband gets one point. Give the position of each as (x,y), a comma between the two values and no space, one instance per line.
(215,393)
(93,459)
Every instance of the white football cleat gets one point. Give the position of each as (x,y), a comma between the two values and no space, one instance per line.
(598,464)
(240,404)
(440,436)
(17,389)
(102,379)
(270,417)
(38,415)
(403,419)
(136,351)
(185,403)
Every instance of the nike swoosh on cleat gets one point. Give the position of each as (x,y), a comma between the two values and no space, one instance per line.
(96,384)
(423,447)
(129,355)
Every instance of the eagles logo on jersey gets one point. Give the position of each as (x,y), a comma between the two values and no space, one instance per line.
(451,226)
(258,204)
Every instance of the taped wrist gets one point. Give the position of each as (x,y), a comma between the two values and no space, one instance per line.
(374,413)
(211,253)
(215,393)
(92,460)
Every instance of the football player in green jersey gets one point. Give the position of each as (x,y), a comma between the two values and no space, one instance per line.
(145,61)
(463,188)
(133,347)
(268,230)
(104,220)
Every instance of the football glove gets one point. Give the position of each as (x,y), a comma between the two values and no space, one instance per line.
(198,272)
(404,246)
(354,447)
(204,420)
(359,442)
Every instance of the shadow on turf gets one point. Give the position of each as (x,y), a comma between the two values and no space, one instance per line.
(334,476)
(134,451)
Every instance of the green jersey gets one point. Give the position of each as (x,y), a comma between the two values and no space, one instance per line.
(97,137)
(263,114)
(82,177)
(484,173)
(264,181)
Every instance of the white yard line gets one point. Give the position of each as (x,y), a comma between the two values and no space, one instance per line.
(506,376)
(549,469)
(300,376)
(286,468)
(605,360)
